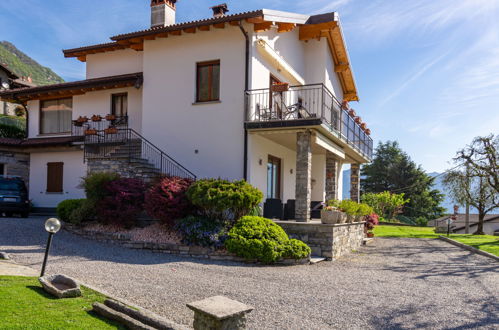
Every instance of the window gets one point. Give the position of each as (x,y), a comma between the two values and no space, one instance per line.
(274,177)
(54,177)
(119,104)
(2,169)
(55,116)
(208,81)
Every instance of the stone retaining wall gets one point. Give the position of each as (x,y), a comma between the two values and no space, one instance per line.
(327,241)
(171,248)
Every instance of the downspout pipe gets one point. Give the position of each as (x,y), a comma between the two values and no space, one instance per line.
(246,87)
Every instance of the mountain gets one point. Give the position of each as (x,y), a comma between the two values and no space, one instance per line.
(23,65)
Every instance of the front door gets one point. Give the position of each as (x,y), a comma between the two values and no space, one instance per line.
(276,101)
(274,177)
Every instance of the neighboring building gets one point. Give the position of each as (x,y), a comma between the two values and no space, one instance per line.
(210,95)
(490,224)
(9,80)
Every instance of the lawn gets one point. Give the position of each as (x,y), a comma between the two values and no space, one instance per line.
(483,242)
(25,305)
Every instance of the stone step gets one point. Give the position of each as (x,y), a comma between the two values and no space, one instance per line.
(315,260)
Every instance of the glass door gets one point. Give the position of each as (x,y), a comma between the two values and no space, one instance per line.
(274,177)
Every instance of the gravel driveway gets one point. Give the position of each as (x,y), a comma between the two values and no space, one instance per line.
(393,284)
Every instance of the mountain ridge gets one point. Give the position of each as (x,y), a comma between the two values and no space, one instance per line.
(23,65)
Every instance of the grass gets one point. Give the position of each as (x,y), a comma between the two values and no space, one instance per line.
(25,305)
(486,243)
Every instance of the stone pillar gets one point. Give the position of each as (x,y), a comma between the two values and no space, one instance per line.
(303,190)
(332,168)
(219,313)
(355,182)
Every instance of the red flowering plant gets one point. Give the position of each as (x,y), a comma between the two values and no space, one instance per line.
(372,220)
(167,200)
(123,203)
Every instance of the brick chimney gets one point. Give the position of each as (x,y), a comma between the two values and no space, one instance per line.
(220,10)
(162,13)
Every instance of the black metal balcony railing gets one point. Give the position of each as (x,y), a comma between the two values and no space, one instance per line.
(308,102)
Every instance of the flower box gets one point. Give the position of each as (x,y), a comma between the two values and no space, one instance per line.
(96,118)
(332,216)
(280,87)
(91,132)
(82,119)
(111,130)
(110,117)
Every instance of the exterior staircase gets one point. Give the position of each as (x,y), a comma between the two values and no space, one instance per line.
(130,155)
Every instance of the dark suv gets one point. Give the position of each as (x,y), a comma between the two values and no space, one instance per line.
(13,196)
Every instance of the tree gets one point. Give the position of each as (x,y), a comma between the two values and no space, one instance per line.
(393,170)
(385,204)
(483,156)
(473,187)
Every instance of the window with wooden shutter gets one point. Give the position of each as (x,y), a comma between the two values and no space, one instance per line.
(54,177)
(208,81)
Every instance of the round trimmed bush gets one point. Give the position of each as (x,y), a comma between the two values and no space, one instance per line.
(65,208)
(261,239)
(167,200)
(224,200)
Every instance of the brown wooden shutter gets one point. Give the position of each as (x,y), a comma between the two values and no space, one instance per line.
(54,177)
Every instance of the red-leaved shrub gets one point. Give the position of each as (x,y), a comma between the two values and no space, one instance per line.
(167,200)
(123,204)
(371,221)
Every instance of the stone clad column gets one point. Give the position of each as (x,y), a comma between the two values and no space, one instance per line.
(303,190)
(332,166)
(355,182)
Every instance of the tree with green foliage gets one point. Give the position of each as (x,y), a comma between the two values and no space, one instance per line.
(393,170)
(385,204)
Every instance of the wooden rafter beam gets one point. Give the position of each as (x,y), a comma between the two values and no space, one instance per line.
(150,37)
(285,27)
(261,27)
(255,20)
(82,58)
(190,30)
(137,47)
(136,40)
(219,25)
(314,31)
(162,35)
(234,23)
(341,67)
(176,33)
(124,42)
(204,28)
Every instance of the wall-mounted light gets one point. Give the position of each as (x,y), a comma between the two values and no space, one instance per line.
(196,151)
(291,171)
(260,162)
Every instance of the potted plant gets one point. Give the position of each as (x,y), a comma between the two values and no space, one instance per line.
(331,213)
(344,105)
(358,120)
(90,131)
(362,212)
(280,87)
(77,123)
(81,119)
(111,130)
(352,113)
(363,126)
(110,117)
(96,118)
(368,131)
(372,220)
(350,207)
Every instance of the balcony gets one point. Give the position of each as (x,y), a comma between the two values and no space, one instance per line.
(307,105)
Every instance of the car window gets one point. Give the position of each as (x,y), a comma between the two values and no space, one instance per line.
(11,185)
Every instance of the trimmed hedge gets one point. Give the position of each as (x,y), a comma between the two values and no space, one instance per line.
(65,208)
(261,239)
(224,200)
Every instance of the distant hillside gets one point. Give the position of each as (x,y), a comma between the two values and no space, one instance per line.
(23,65)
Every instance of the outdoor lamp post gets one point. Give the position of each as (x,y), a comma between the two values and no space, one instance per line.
(52,226)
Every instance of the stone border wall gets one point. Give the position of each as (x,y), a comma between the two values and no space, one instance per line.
(168,248)
(327,241)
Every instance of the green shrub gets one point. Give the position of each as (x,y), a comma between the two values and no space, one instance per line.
(11,131)
(349,207)
(224,200)
(261,239)
(364,210)
(202,231)
(85,212)
(65,208)
(422,221)
(94,185)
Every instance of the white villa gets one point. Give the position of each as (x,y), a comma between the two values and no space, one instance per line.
(260,95)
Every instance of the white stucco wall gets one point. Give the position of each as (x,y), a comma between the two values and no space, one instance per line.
(114,63)
(174,124)
(99,103)
(318,177)
(74,169)
(260,148)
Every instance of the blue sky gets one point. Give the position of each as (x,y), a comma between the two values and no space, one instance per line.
(427,71)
